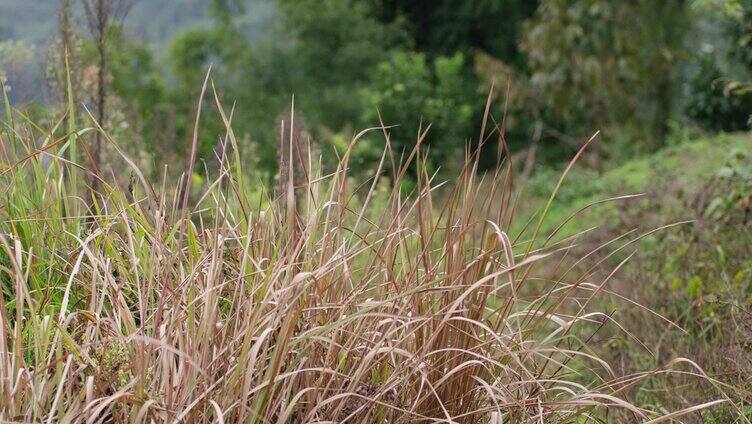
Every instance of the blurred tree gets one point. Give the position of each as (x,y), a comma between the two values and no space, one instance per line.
(662,30)
(100,15)
(336,57)
(66,51)
(411,92)
(334,46)
(192,53)
(136,94)
(486,32)
(15,58)
(596,64)
(711,104)
(137,81)
(320,51)
(443,27)
(720,87)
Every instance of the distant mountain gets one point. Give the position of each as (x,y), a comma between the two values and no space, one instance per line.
(31,21)
(158,20)
(27,26)
(153,21)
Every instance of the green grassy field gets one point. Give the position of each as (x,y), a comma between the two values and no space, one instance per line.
(666,178)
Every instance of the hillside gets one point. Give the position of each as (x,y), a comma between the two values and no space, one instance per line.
(154,20)
(694,279)
(668,179)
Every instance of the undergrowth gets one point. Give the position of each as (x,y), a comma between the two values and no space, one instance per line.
(352,303)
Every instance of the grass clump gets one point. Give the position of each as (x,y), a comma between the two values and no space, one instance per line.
(145,307)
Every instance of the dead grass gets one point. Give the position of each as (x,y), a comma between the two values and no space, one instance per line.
(417,308)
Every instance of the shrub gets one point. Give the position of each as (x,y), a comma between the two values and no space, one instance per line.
(710,103)
(412,91)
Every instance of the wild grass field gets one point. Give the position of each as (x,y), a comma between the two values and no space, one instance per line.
(363,301)
(376,211)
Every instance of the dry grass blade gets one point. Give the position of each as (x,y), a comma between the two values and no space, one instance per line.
(365,305)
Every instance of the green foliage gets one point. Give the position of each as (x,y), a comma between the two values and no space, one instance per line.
(597,64)
(445,27)
(734,193)
(719,95)
(409,90)
(17,69)
(739,30)
(686,167)
(709,268)
(13,53)
(711,105)
(574,67)
(140,87)
(698,275)
(226,10)
(321,52)
(335,44)
(192,53)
